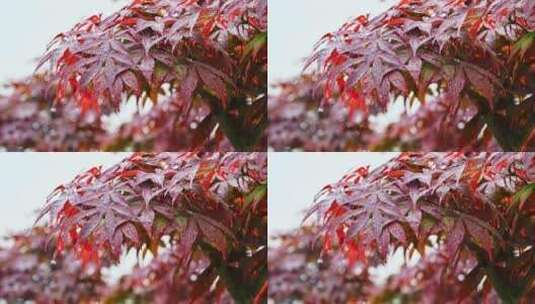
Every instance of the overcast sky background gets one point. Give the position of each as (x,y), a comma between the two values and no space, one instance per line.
(29,25)
(296,25)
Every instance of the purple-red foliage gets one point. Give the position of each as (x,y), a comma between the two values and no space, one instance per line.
(164,280)
(472,53)
(198,206)
(467,205)
(164,129)
(30,120)
(299,271)
(296,124)
(28,271)
(200,53)
(426,130)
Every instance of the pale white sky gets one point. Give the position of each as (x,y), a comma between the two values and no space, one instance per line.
(296,25)
(29,25)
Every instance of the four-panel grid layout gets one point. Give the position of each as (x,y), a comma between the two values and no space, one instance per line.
(255,151)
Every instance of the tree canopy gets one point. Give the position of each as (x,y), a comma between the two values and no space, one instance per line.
(470,215)
(201,64)
(203,216)
(474,57)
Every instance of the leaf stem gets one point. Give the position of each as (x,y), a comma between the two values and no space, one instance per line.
(242,289)
(243,138)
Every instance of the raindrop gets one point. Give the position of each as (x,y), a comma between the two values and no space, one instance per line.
(164,165)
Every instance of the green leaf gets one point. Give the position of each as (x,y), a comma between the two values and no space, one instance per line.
(523,44)
(255,196)
(255,45)
(521,197)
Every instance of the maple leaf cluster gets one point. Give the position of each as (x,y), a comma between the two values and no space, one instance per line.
(30,120)
(296,124)
(478,54)
(197,54)
(464,206)
(30,271)
(301,271)
(207,212)
(298,271)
